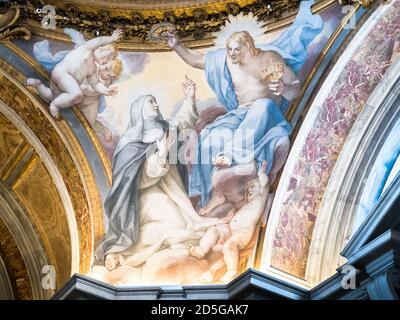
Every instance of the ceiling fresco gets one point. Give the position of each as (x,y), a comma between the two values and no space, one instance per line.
(172,139)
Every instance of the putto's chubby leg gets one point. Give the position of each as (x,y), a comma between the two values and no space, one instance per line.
(45,92)
(209,240)
(72,93)
(216,200)
(33,82)
(231,257)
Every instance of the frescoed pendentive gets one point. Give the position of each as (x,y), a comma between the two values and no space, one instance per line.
(196,139)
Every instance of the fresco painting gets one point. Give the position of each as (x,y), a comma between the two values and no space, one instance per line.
(196,138)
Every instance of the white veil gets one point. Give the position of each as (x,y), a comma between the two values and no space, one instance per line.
(136,127)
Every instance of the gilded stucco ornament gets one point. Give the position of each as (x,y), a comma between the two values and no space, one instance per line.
(9,28)
(364,3)
(192,22)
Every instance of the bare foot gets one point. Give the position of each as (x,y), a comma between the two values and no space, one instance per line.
(216,200)
(55,112)
(228,276)
(197,252)
(111,262)
(33,82)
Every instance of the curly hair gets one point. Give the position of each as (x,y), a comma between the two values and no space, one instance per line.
(245,38)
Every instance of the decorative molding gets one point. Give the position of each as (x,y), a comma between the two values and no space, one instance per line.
(382,286)
(335,220)
(380,259)
(6,290)
(29,244)
(364,3)
(195,25)
(9,29)
(73,165)
(318,145)
(384,214)
(45,136)
(250,284)
(369,257)
(29,60)
(378,284)
(317,75)
(46,210)
(22,154)
(15,264)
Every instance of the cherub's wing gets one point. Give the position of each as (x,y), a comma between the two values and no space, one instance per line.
(77,37)
(122,78)
(132,64)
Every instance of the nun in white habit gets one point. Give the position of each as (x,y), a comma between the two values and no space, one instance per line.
(147,207)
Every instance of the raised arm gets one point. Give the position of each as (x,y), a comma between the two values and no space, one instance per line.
(262,176)
(102,41)
(187,115)
(191,57)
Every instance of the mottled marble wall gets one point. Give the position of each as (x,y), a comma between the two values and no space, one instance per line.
(324,141)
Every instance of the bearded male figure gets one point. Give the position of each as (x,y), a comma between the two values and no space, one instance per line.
(253,84)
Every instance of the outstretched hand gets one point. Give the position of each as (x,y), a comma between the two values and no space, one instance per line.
(277,87)
(112,91)
(189,88)
(117,35)
(165,144)
(173,39)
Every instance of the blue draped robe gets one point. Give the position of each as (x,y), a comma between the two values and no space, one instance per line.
(249,133)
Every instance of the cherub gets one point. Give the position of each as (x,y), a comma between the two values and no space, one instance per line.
(97,84)
(235,235)
(78,65)
(93,90)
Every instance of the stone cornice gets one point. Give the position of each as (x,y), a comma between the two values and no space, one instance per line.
(384,214)
(241,288)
